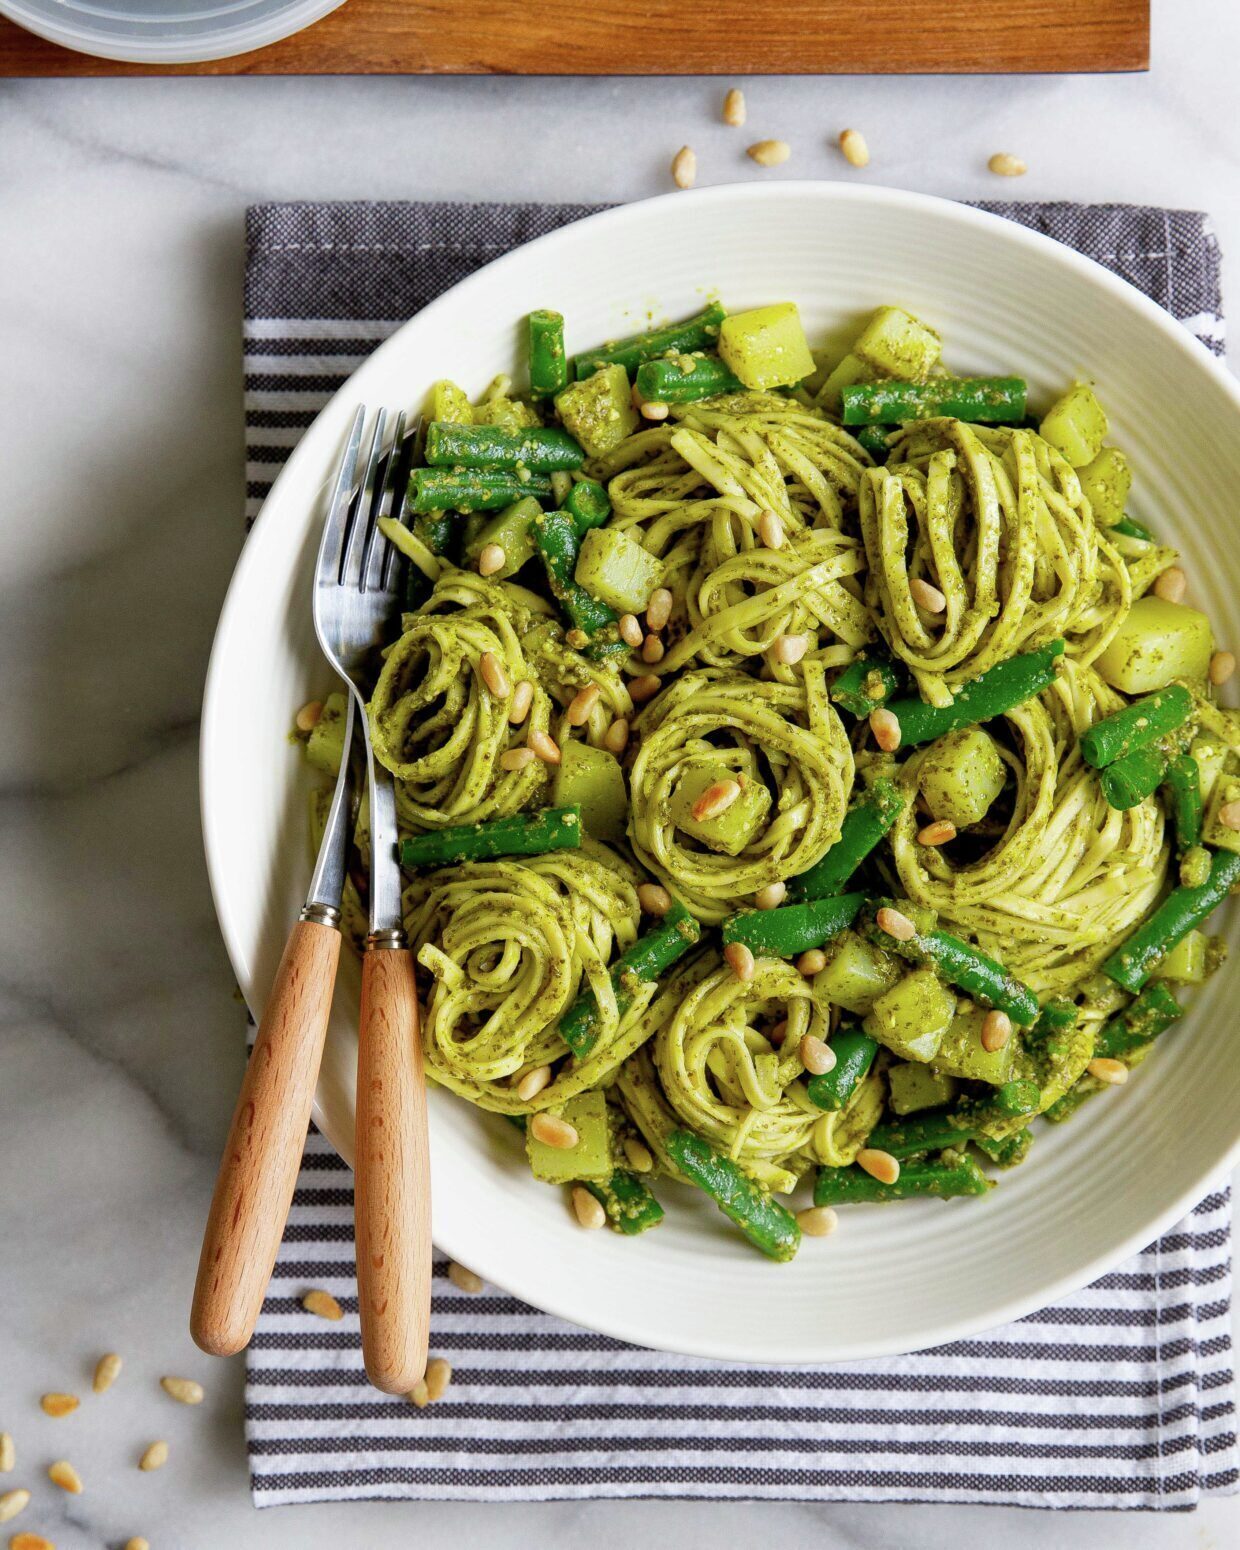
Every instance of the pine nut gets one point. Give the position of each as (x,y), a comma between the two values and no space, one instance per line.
(630,630)
(184,1390)
(734,107)
(1171,585)
(740,960)
(638,1155)
(879,1165)
(581,704)
(577,639)
(532,1083)
(464,1280)
(12,1502)
(937,833)
(58,1405)
(996,1030)
(309,716)
(323,1305)
(817,1221)
(816,1056)
(491,559)
(716,799)
(587,1210)
(895,924)
(1222,666)
(544,746)
(516,758)
(1229,815)
(493,675)
(1113,1072)
(30,1542)
(420,1395)
(652,409)
(107,1370)
(137,1543)
(616,737)
(856,151)
(63,1474)
(684,167)
(771,530)
(653,899)
(522,699)
(1005,165)
(927,596)
(770,897)
(789,649)
(812,962)
(659,608)
(438,1377)
(885,726)
(644,688)
(652,649)
(779,1032)
(8,1453)
(554,1132)
(769,153)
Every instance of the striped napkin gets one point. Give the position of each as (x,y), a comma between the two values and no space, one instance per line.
(1122,1396)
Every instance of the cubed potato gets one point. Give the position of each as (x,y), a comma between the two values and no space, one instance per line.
(1156,644)
(766,348)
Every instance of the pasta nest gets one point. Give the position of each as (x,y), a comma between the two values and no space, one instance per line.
(508,946)
(995,519)
(709,723)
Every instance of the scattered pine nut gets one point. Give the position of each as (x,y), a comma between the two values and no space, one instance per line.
(812,962)
(12,1502)
(940,832)
(652,649)
(789,649)
(1005,165)
(816,1056)
(184,1390)
(30,1542)
(464,1280)
(58,1405)
(996,1030)
(684,167)
(716,799)
(107,1370)
(630,630)
(771,897)
(137,1543)
(532,1083)
(927,596)
(616,737)
(740,959)
(516,758)
(1222,666)
(734,107)
(420,1395)
(581,704)
(545,747)
(63,1474)
(522,699)
(817,1221)
(1229,815)
(438,1377)
(856,151)
(769,153)
(653,409)
(493,675)
(895,924)
(1171,585)
(577,639)
(1113,1072)
(878,1164)
(653,899)
(491,559)
(779,1032)
(644,688)
(885,725)
(309,716)
(771,530)
(659,608)
(554,1132)
(8,1453)
(323,1305)
(638,1155)
(587,1210)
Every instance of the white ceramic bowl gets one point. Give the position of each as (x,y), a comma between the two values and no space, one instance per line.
(891,1279)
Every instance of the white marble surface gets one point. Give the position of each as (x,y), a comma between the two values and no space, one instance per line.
(120,298)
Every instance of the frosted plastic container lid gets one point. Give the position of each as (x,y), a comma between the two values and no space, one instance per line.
(165,31)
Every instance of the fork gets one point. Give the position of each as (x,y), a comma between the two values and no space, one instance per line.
(355,597)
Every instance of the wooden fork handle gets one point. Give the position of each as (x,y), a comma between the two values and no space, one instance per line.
(254,1188)
(392,1184)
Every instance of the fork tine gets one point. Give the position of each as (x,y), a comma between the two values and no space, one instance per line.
(392,567)
(362,514)
(331,545)
(374,561)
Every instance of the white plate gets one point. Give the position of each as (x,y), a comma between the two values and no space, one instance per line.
(891,1279)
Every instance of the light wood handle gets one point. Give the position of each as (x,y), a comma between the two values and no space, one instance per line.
(392,1197)
(265,1141)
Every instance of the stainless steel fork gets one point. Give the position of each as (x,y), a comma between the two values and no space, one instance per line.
(355,599)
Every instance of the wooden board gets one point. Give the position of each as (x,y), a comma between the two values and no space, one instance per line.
(668,37)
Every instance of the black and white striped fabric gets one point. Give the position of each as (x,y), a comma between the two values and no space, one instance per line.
(1121,1397)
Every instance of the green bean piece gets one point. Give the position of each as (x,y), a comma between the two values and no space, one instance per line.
(932,1131)
(865,684)
(854,1053)
(472,489)
(991,694)
(539,448)
(1055,1017)
(983,400)
(700,332)
(864,825)
(1133,529)
(1021,1096)
(589,505)
(522,834)
(768,1225)
(1184,788)
(793,928)
(956,1175)
(548,360)
(555,536)
(683,379)
(874,439)
(629,1205)
(1007,1151)
(1138,775)
(1142,722)
(436,529)
(648,958)
(1152,1013)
